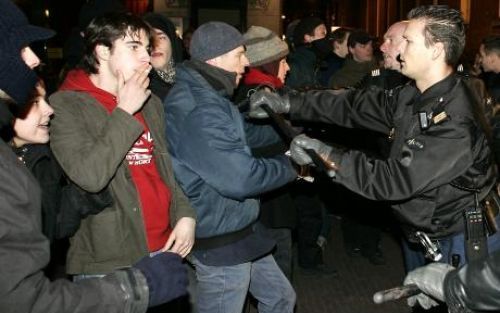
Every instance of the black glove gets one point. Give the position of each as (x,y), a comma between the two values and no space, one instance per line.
(301,143)
(279,104)
(166,277)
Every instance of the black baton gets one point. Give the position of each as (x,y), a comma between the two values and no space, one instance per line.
(395,293)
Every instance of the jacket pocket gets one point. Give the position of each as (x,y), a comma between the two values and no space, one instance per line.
(105,236)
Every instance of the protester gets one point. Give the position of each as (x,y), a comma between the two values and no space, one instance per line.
(266,53)
(108,132)
(358,63)
(211,151)
(310,46)
(24,248)
(165,54)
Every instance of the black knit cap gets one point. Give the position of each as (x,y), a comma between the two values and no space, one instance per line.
(305,26)
(358,36)
(214,39)
(16,78)
(15,30)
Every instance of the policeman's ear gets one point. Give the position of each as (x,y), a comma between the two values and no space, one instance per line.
(438,50)
(102,52)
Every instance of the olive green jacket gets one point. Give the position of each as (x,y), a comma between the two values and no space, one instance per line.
(91,146)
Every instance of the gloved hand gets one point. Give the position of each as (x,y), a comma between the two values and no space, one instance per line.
(429,279)
(279,104)
(166,277)
(301,142)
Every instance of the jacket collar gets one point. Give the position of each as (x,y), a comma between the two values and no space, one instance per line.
(221,80)
(439,89)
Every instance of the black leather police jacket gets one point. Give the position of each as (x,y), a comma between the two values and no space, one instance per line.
(439,156)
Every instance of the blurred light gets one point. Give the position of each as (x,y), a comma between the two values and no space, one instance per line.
(283,17)
(334,28)
(47,13)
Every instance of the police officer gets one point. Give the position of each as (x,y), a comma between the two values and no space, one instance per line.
(440,165)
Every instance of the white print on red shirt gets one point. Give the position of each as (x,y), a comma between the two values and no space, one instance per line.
(142,150)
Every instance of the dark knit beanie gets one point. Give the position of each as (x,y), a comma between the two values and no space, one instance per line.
(17,80)
(214,39)
(358,36)
(15,30)
(263,46)
(305,26)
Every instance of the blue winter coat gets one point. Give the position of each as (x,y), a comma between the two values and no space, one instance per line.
(212,158)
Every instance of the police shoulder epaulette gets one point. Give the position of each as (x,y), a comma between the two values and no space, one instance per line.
(375,72)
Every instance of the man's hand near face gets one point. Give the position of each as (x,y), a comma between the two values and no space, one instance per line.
(133,93)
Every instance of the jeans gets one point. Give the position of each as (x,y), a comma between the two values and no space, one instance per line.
(223,289)
(453,245)
(283,251)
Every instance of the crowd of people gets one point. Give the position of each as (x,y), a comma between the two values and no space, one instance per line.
(155,173)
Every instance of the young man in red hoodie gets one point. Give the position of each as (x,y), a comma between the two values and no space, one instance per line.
(108,132)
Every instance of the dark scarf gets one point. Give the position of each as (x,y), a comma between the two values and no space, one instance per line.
(221,80)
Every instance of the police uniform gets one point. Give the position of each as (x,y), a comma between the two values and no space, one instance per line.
(439,158)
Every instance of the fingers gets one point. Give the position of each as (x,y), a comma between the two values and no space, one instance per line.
(141,75)
(182,248)
(168,244)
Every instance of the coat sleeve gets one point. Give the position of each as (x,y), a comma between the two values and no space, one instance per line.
(362,108)
(211,141)
(475,287)
(424,161)
(24,253)
(90,162)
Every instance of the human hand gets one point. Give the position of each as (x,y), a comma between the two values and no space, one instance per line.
(301,143)
(133,93)
(277,103)
(429,279)
(181,240)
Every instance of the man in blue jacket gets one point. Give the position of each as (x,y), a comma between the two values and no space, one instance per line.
(210,145)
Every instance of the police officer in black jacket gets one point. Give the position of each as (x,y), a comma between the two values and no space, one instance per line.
(440,165)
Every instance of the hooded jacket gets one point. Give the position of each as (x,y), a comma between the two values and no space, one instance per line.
(91,145)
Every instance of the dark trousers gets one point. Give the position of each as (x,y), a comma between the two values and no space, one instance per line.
(309,224)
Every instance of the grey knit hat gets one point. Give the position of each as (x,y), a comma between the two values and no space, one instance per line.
(263,46)
(214,39)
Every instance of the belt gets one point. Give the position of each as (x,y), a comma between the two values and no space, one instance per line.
(222,240)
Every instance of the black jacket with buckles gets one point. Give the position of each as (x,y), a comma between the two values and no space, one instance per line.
(431,170)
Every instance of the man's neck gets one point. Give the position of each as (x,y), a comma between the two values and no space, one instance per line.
(105,82)
(435,75)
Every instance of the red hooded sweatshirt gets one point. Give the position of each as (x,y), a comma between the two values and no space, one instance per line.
(154,194)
